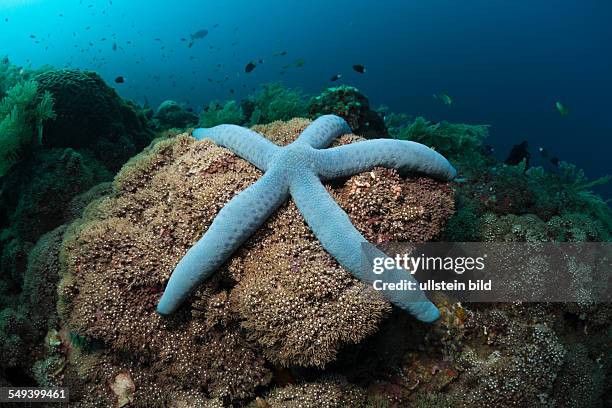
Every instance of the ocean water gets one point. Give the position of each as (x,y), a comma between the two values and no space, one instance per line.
(503,63)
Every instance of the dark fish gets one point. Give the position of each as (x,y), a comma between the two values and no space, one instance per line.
(114,46)
(190,44)
(32,36)
(359,68)
(261,61)
(216,25)
(61,15)
(103,39)
(119,80)
(488,149)
(6,19)
(543,152)
(157,39)
(249,67)
(183,39)
(519,153)
(280,54)
(299,62)
(199,34)
(88,27)
(231,91)
(554,161)
(335,77)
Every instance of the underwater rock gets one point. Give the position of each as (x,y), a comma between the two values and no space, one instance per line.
(91,115)
(172,115)
(117,258)
(350,104)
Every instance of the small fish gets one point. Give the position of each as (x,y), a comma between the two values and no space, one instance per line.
(554,161)
(183,39)
(299,62)
(335,77)
(199,34)
(563,110)
(280,54)
(249,67)
(88,27)
(157,39)
(114,46)
(32,36)
(261,61)
(447,100)
(231,90)
(543,151)
(216,25)
(359,68)
(119,80)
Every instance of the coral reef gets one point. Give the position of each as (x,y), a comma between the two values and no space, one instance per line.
(91,115)
(217,114)
(333,392)
(351,105)
(274,102)
(36,194)
(21,122)
(170,115)
(118,256)
(461,143)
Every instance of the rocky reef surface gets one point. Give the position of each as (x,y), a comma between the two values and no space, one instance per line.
(84,263)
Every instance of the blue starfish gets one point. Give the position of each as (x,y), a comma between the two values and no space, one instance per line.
(297,170)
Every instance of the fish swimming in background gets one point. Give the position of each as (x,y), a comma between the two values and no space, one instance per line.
(114,46)
(280,54)
(119,80)
(563,110)
(335,77)
(261,61)
(299,62)
(249,67)
(543,152)
(199,34)
(359,68)
(447,100)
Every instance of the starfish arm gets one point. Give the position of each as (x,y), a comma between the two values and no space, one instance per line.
(405,156)
(246,143)
(333,228)
(233,225)
(323,130)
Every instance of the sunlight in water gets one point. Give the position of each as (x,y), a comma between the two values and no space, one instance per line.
(7,4)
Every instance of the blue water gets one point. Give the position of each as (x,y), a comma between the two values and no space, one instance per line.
(504,63)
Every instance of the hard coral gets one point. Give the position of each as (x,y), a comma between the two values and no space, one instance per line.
(351,105)
(172,115)
(334,392)
(117,258)
(90,114)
